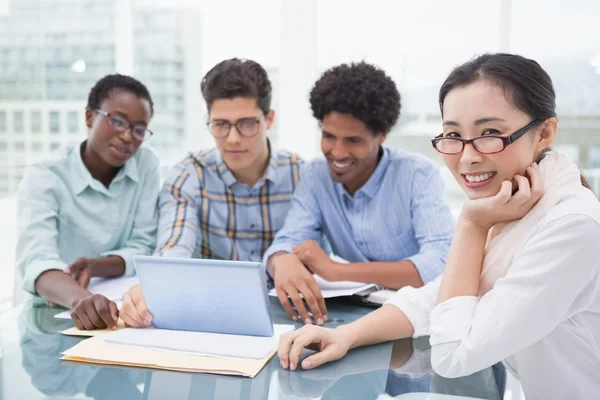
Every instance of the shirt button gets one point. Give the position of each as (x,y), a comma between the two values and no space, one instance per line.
(252,252)
(252,226)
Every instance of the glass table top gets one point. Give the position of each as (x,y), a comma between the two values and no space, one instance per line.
(30,347)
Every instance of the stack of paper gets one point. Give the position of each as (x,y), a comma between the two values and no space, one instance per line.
(180,351)
(335,289)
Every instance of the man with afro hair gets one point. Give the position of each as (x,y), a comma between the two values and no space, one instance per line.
(380,209)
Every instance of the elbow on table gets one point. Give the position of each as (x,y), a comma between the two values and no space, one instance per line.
(450,362)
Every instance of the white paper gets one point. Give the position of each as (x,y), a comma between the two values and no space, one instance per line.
(336,289)
(199,343)
(111,288)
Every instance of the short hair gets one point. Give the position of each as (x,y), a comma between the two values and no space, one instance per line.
(237,78)
(361,90)
(105,86)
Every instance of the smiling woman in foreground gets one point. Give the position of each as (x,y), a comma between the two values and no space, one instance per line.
(521,284)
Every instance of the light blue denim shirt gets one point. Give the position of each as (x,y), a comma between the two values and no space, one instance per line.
(399,214)
(63,213)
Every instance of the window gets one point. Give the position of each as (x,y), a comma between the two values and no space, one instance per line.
(36,122)
(54,122)
(18,122)
(54,146)
(73,122)
(37,147)
(19,147)
(2,121)
(594,157)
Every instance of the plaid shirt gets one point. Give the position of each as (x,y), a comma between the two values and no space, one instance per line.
(204,212)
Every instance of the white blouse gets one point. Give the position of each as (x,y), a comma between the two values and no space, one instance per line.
(542,319)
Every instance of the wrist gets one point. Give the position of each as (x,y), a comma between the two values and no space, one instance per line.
(348,336)
(467,222)
(78,297)
(272,262)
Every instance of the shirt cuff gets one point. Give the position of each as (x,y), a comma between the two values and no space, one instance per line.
(35,269)
(408,300)
(285,247)
(175,252)
(430,266)
(127,255)
(451,320)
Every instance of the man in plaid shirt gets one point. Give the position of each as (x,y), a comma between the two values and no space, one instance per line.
(227,202)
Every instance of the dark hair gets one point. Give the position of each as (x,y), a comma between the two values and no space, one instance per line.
(103,88)
(237,78)
(361,90)
(524,82)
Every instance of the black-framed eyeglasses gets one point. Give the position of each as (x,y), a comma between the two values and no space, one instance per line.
(246,127)
(120,124)
(488,144)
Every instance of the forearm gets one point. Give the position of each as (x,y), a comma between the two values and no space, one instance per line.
(58,287)
(108,267)
(383,325)
(394,275)
(465,259)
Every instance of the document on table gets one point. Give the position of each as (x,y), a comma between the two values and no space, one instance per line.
(199,343)
(336,289)
(111,288)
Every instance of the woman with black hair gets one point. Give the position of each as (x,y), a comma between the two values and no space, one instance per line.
(86,211)
(522,280)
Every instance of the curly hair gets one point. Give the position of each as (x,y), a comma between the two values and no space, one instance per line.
(103,88)
(237,78)
(361,90)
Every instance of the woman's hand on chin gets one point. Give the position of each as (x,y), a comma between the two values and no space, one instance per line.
(506,206)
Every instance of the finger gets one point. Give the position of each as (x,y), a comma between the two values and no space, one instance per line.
(313,305)
(505,193)
(77,321)
(330,353)
(311,335)
(101,305)
(524,191)
(285,303)
(285,343)
(84,277)
(94,315)
(140,304)
(299,304)
(129,313)
(83,317)
(537,181)
(314,287)
(114,313)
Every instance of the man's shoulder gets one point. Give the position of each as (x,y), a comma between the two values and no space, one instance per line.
(317,167)
(285,157)
(206,159)
(410,162)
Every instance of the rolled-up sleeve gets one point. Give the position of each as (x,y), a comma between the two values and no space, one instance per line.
(416,304)
(178,213)
(303,221)
(545,284)
(37,226)
(432,221)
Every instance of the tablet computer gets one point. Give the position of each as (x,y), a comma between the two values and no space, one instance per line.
(200,295)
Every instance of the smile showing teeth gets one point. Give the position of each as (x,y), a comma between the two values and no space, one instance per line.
(479,178)
(339,165)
